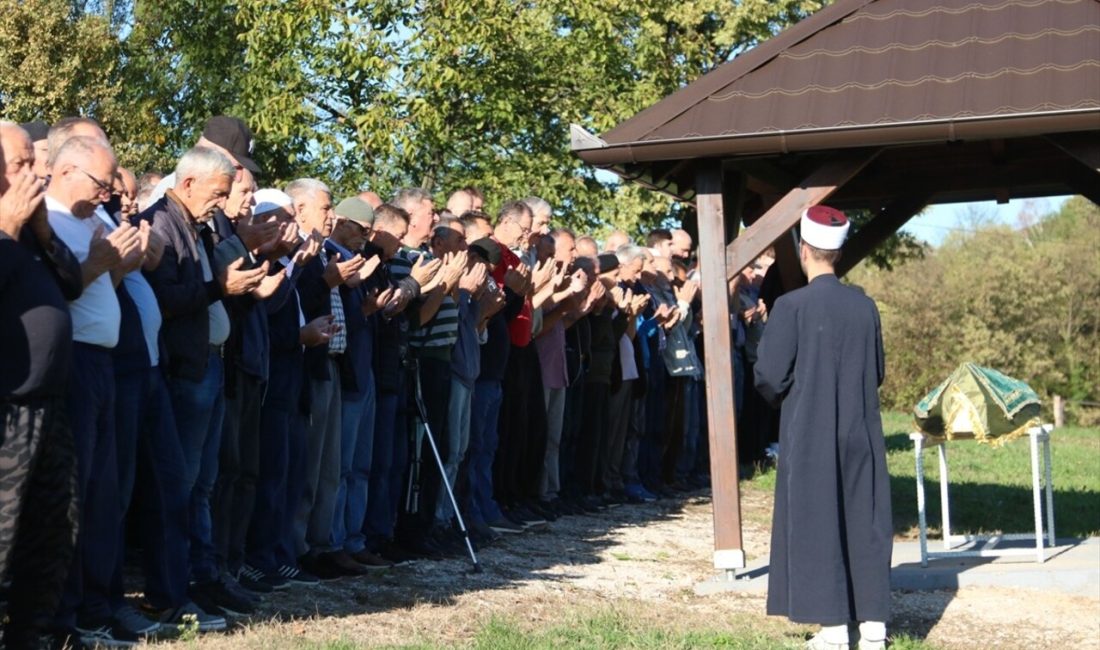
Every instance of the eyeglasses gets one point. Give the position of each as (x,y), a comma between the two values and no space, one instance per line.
(104,188)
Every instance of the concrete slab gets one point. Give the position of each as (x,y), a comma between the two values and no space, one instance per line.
(1072,567)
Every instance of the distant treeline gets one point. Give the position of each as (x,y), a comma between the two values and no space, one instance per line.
(1025,301)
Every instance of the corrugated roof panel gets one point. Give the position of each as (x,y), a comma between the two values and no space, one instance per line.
(899,61)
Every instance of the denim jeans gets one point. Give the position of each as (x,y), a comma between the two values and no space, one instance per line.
(199,407)
(356,455)
(387,467)
(155,463)
(91,403)
(482,450)
(458,442)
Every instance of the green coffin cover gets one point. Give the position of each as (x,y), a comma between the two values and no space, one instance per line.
(980,403)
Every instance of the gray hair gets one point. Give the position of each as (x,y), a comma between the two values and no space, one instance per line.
(409,197)
(203,162)
(306,186)
(539,207)
(627,253)
(61,131)
(81,145)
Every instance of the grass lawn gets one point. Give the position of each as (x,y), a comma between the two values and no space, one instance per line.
(616,628)
(990,487)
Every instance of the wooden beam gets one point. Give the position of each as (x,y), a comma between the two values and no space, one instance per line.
(816,187)
(1084,149)
(790,267)
(878,230)
(712,203)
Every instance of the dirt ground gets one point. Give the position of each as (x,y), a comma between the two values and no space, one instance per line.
(643,560)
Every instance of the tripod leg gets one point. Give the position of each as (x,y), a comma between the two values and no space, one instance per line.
(443,472)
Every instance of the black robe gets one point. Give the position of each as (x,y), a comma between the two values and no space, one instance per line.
(821,358)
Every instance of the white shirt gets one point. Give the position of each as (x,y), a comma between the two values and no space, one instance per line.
(626,358)
(219,318)
(96,314)
(142,295)
(165,184)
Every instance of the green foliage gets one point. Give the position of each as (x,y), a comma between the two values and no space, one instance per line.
(383,93)
(1026,302)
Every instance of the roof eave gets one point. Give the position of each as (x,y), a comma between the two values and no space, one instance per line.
(779,142)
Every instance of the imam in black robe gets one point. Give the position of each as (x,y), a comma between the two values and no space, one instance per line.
(821,358)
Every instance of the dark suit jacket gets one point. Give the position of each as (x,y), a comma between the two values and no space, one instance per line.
(183,295)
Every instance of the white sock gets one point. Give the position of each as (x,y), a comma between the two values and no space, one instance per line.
(872,631)
(837,634)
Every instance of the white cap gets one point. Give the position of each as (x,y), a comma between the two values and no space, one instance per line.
(269,200)
(824,227)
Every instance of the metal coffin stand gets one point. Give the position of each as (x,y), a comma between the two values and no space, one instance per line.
(953,544)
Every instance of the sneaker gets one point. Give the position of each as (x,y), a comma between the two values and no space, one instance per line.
(252,579)
(637,490)
(296,576)
(134,623)
(191,614)
(371,561)
(505,527)
(106,635)
(219,596)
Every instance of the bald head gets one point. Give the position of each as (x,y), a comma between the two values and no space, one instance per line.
(616,240)
(587,247)
(83,174)
(681,243)
(371,198)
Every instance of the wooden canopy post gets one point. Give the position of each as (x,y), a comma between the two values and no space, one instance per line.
(729,553)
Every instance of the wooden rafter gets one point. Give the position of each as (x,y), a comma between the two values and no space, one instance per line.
(885,224)
(815,188)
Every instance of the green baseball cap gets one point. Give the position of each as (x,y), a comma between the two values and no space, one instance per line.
(357,210)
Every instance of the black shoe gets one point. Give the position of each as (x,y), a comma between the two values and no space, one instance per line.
(541,511)
(320,566)
(294,575)
(217,596)
(342,561)
(253,580)
(422,549)
(505,527)
(526,517)
(394,553)
(371,561)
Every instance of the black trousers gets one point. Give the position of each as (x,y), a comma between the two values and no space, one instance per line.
(234,497)
(435,389)
(38,516)
(522,430)
(592,445)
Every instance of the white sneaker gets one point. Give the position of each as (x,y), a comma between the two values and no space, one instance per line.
(817,642)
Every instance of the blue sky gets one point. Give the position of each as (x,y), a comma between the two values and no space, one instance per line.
(938,221)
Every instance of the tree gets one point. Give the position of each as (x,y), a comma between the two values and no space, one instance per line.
(1025,301)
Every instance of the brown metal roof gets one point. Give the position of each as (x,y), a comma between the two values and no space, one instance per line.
(879,72)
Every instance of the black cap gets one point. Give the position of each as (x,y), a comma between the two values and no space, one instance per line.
(232,134)
(608,262)
(487,249)
(38,130)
